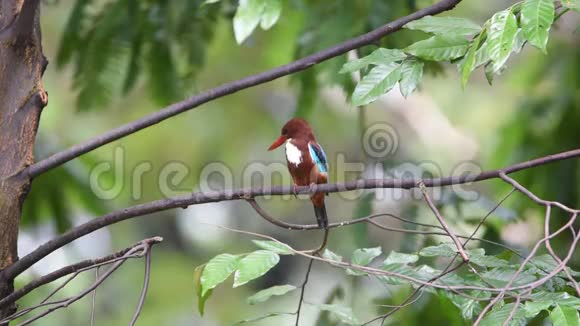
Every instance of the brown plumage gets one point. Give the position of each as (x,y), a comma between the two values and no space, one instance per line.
(299,139)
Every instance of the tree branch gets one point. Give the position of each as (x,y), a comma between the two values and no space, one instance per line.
(23,24)
(443,223)
(231,194)
(233,87)
(142,248)
(75,268)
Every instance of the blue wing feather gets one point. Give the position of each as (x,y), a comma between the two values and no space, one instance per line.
(318,156)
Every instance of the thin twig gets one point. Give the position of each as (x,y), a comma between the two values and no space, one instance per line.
(302,290)
(553,254)
(513,311)
(143,247)
(370,219)
(75,268)
(144,290)
(522,266)
(443,223)
(94,299)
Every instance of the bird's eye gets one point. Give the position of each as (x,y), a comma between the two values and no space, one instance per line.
(284,131)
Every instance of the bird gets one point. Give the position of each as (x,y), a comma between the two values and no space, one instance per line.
(306,162)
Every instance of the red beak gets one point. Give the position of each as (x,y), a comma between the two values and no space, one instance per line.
(281,140)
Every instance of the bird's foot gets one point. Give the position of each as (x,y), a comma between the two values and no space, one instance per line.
(295,188)
(311,187)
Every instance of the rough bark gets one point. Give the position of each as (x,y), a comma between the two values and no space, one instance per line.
(22,98)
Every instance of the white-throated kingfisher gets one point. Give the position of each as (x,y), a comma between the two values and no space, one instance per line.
(306,161)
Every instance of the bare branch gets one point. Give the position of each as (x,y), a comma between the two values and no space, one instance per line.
(144,247)
(542,280)
(443,223)
(303,289)
(75,268)
(144,290)
(94,299)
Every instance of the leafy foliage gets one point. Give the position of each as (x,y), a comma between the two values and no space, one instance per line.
(148,41)
(491,46)
(112,45)
(250,13)
(245,268)
(493,271)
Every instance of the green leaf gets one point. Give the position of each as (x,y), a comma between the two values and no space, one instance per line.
(444,25)
(499,316)
(501,37)
(439,48)
(71,36)
(377,82)
(344,314)
(469,307)
(250,13)
(411,74)
(519,42)
(247,18)
(273,246)
(468,63)
(547,264)
(255,265)
(564,316)
(489,73)
(363,257)
(544,300)
(201,298)
(379,56)
(265,294)
(481,55)
(163,78)
(536,18)
(399,269)
(488,261)
(443,250)
(532,308)
(261,318)
(327,254)
(217,270)
(500,276)
(572,4)
(272,10)
(401,258)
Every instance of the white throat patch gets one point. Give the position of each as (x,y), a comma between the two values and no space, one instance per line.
(293,154)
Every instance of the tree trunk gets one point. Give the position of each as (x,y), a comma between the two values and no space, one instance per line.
(22,98)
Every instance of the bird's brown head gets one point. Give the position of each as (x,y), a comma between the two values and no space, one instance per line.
(295,128)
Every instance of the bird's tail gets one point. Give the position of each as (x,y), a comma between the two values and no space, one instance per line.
(321,217)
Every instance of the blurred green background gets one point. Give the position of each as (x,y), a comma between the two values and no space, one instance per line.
(96,82)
